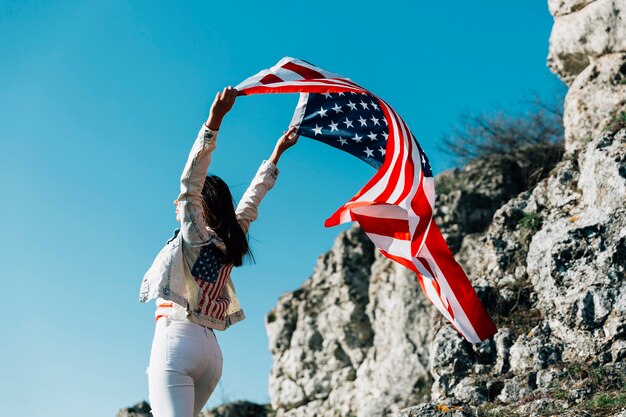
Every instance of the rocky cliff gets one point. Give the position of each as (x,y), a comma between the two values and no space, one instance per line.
(548,260)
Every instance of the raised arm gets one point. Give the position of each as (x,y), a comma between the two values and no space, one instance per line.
(247,209)
(190,208)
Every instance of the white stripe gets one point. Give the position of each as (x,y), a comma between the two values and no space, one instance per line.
(406,202)
(429,190)
(460,318)
(414,219)
(382,212)
(221,286)
(298,113)
(379,187)
(399,188)
(396,247)
(287,75)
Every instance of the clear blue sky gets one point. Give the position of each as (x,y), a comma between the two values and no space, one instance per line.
(100,102)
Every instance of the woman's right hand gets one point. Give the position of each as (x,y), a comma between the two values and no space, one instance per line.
(223,102)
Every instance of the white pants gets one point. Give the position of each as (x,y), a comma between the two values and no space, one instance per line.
(185,367)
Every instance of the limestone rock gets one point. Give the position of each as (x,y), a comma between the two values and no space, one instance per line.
(433,410)
(595,100)
(141,409)
(563,7)
(353,339)
(580,37)
(239,409)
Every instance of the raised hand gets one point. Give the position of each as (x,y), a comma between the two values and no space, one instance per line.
(223,102)
(286,141)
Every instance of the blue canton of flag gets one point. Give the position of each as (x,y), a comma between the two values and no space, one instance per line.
(208,264)
(352,122)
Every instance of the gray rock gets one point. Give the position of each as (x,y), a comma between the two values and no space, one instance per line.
(580,37)
(141,409)
(239,409)
(433,410)
(595,100)
(563,7)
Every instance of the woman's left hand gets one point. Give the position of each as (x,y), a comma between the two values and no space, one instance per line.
(286,141)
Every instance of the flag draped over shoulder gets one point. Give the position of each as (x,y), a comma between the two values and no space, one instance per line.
(395,207)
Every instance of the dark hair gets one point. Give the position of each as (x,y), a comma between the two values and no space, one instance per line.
(219,211)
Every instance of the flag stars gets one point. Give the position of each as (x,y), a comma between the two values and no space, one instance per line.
(342,141)
(357,138)
(317,129)
(374,105)
(322,112)
(364,104)
(351,105)
(327,95)
(337,109)
(340,94)
(368,153)
(385,135)
(333,126)
(372,136)
(348,123)
(363,121)
(382,151)
(375,120)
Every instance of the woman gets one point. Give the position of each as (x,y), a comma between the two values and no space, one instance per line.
(190,277)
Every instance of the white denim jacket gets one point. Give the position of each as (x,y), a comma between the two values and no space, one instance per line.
(170,275)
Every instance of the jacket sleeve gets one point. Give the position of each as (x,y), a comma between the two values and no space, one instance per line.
(193,225)
(247,209)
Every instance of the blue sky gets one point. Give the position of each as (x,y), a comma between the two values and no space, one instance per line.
(101,101)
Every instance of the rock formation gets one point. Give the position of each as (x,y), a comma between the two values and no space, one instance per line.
(359,339)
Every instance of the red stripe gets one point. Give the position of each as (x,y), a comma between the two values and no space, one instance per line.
(215,288)
(207,292)
(394,140)
(400,260)
(422,209)
(224,272)
(395,228)
(203,285)
(426,265)
(270,79)
(300,87)
(304,72)
(446,303)
(420,280)
(459,284)
(409,171)
(224,304)
(402,152)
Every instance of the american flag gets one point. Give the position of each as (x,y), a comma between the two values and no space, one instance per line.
(395,207)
